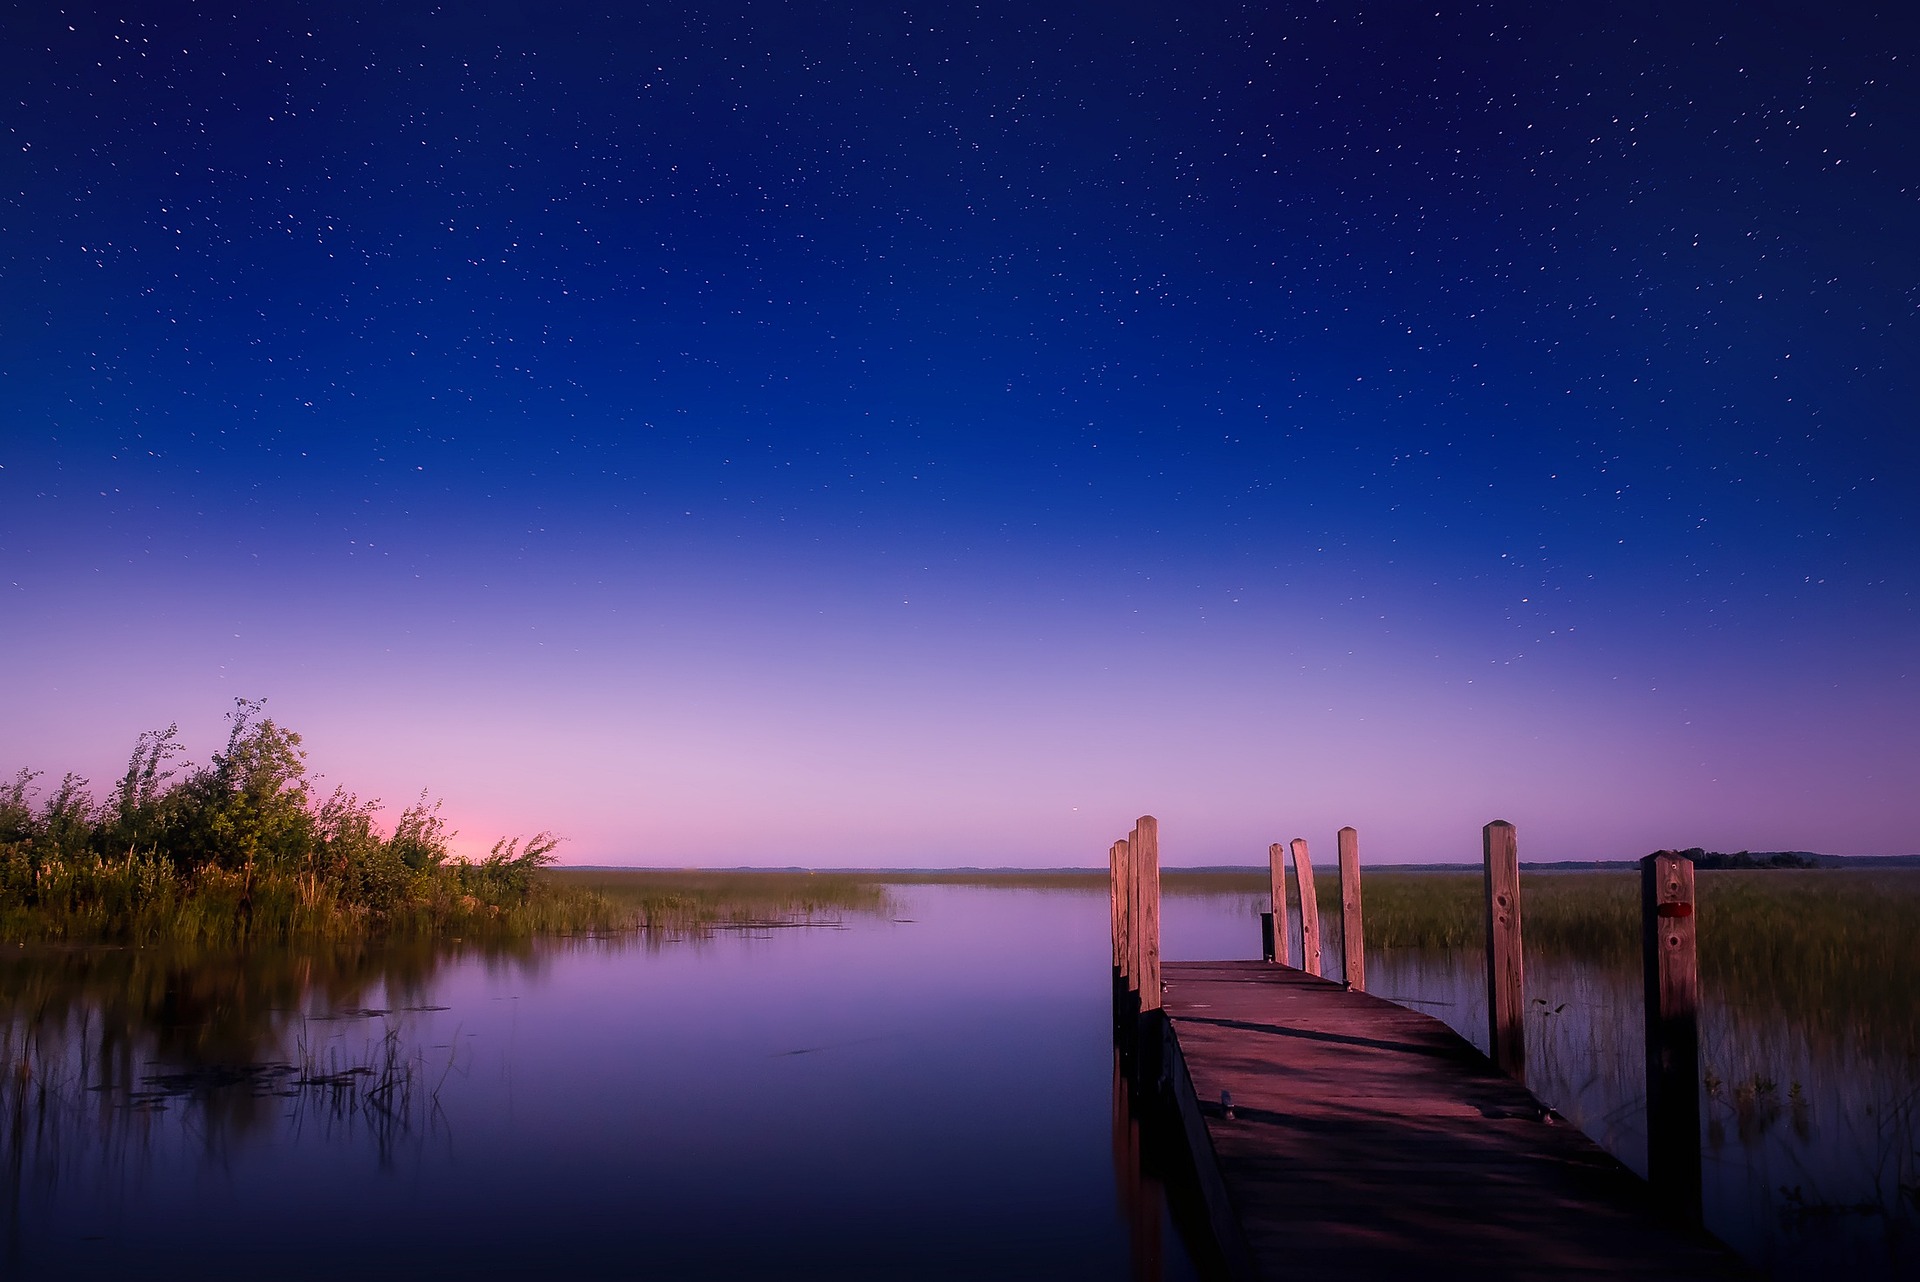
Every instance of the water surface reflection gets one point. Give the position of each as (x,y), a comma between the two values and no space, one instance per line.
(926,1096)
(927,1093)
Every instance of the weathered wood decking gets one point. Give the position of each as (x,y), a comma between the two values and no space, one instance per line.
(1372,1141)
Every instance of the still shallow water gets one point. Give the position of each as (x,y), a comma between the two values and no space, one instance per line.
(1810,1140)
(1810,1146)
(929,1097)
(927,1094)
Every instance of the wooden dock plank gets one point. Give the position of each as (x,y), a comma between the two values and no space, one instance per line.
(1372,1141)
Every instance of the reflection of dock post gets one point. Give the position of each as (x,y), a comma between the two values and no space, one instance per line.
(1140,1194)
(1309,908)
(1274,926)
(1133,867)
(1506,980)
(1352,936)
(1668,929)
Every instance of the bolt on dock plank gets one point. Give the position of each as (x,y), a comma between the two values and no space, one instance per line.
(1334,1133)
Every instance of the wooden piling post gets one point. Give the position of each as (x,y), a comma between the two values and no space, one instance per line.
(1117,865)
(1309,909)
(1145,848)
(1668,927)
(1506,977)
(1130,915)
(1277,895)
(1352,937)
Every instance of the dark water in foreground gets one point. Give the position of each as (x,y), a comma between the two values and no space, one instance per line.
(927,1095)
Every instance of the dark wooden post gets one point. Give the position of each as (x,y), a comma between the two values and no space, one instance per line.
(1277,897)
(1506,977)
(1309,909)
(1146,858)
(1352,937)
(1667,925)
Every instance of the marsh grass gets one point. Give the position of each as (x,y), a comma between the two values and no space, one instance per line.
(681,900)
(243,850)
(1837,950)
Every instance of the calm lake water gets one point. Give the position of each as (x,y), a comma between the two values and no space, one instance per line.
(923,1097)
(925,1094)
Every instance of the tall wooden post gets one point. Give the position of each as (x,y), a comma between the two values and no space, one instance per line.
(1309,909)
(1667,925)
(1277,896)
(1352,937)
(1120,862)
(1145,847)
(1506,977)
(1132,843)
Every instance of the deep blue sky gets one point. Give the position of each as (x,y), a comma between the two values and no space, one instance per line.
(675,424)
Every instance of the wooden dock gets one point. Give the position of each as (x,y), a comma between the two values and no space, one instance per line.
(1336,1134)
(1371,1141)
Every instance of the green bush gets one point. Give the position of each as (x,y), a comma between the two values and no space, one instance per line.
(240,847)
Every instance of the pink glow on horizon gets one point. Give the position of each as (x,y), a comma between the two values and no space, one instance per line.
(1031,743)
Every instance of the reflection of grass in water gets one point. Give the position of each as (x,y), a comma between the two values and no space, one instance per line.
(55,1112)
(390,1091)
(1810,1045)
(692,899)
(190,1005)
(1881,1178)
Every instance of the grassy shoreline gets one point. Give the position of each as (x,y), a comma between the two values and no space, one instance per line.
(693,899)
(243,851)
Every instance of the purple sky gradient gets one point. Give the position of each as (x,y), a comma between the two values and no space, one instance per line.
(750,715)
(833,438)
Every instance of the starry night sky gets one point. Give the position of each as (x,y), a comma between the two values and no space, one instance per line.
(840,433)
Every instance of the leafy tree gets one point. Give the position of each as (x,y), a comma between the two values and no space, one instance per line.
(219,850)
(17,821)
(247,810)
(135,814)
(508,869)
(351,856)
(421,837)
(67,820)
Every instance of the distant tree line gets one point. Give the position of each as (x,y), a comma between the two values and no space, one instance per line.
(238,847)
(1750,859)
